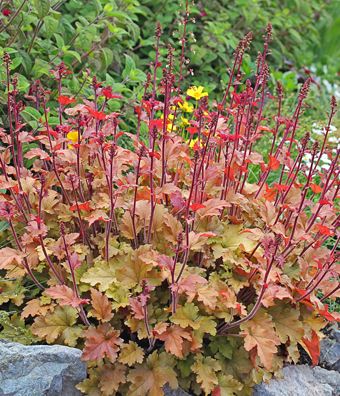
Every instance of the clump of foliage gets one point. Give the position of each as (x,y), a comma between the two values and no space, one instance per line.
(186,256)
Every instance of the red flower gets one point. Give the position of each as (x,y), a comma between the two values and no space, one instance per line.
(138,110)
(325,202)
(157,123)
(154,154)
(107,92)
(192,130)
(6,12)
(65,100)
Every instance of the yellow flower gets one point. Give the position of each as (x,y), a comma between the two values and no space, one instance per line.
(186,107)
(171,117)
(193,142)
(170,127)
(184,122)
(73,136)
(196,92)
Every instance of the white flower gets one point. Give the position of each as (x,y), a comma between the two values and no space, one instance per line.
(334,139)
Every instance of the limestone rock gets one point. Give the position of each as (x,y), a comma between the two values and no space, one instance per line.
(330,350)
(174,392)
(39,370)
(302,380)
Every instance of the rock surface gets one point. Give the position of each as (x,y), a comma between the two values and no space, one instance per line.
(330,350)
(44,370)
(302,380)
(39,370)
(174,392)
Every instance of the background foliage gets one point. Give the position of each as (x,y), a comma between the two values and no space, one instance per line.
(110,36)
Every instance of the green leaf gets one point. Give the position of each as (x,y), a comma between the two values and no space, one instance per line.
(74,54)
(108,8)
(106,57)
(31,116)
(42,7)
(40,67)
(15,63)
(221,346)
(3,226)
(59,40)
(137,75)
(23,83)
(129,66)
(30,113)
(51,25)
(14,329)
(186,315)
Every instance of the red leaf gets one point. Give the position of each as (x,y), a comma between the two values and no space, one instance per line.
(326,314)
(196,206)
(281,187)
(119,134)
(101,306)
(66,296)
(216,391)
(98,115)
(234,138)
(324,230)
(173,338)
(75,261)
(86,206)
(65,100)
(266,129)
(319,263)
(207,234)
(101,342)
(313,347)
(292,140)
(37,152)
(230,172)
(274,163)
(270,194)
(315,188)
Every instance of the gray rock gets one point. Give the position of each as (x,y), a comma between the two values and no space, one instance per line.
(302,380)
(336,335)
(39,370)
(330,350)
(330,354)
(174,392)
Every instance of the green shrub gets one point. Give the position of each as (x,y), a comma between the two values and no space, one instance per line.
(110,35)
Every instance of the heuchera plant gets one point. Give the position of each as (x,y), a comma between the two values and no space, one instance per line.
(187,259)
